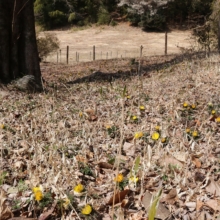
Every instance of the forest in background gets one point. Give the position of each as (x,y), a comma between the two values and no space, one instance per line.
(150,15)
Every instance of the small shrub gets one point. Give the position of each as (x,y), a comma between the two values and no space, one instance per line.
(47,44)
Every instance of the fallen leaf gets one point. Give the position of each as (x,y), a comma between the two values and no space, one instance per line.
(199,205)
(105,165)
(47,214)
(170,197)
(118,197)
(196,162)
(169,160)
(162,212)
(213,187)
(129,149)
(213,204)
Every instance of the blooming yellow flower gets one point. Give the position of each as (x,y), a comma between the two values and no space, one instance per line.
(133,179)
(66,203)
(142,107)
(35,189)
(134,117)
(2,126)
(87,209)
(78,188)
(193,106)
(138,135)
(213,112)
(185,104)
(38,195)
(128,97)
(188,130)
(217,120)
(155,136)
(119,178)
(195,134)
(80,114)
(157,128)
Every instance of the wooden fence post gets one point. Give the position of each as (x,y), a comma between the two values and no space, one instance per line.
(67,54)
(94,52)
(166,43)
(141,50)
(60,55)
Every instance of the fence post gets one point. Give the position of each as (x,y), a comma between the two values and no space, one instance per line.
(67,54)
(60,55)
(94,52)
(166,43)
(57,56)
(141,49)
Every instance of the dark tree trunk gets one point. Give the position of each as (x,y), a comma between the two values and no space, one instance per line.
(219,34)
(18,46)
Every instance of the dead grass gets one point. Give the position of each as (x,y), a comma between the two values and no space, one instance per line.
(72,134)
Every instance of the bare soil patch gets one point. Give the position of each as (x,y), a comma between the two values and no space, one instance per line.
(119,41)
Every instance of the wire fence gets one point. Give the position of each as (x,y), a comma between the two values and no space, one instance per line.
(74,54)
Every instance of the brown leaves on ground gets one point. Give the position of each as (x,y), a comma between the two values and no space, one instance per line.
(74,139)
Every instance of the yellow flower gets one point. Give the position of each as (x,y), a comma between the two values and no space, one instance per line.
(188,130)
(185,104)
(38,195)
(193,106)
(108,127)
(213,112)
(87,209)
(157,128)
(128,97)
(35,189)
(66,203)
(155,136)
(217,119)
(133,179)
(142,107)
(80,114)
(195,134)
(138,135)
(163,140)
(134,117)
(2,126)
(119,178)
(79,188)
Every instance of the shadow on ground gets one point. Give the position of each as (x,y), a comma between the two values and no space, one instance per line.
(148,65)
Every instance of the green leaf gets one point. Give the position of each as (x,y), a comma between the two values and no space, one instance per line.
(136,164)
(154,205)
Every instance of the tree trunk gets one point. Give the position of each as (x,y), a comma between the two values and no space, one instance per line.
(219,34)
(18,46)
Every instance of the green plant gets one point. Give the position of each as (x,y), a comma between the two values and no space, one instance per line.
(47,199)
(3,176)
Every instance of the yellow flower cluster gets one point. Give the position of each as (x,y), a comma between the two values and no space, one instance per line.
(2,126)
(38,194)
(134,118)
(87,209)
(217,119)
